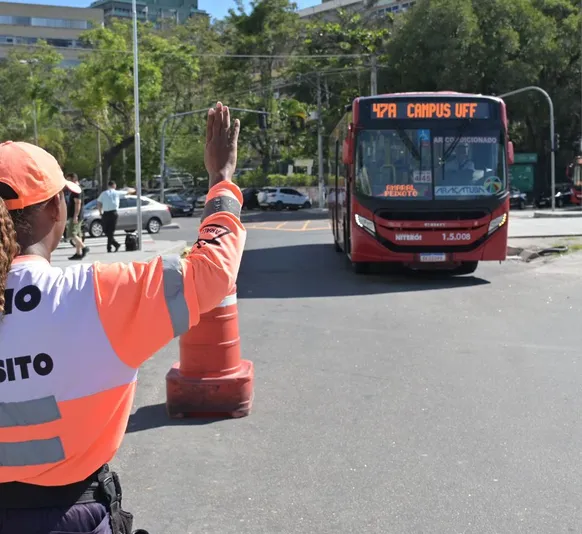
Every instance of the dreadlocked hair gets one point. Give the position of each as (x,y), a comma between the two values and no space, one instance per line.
(8,250)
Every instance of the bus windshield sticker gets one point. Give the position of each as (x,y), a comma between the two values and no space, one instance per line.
(472,140)
(422,177)
(431,110)
(423,137)
(461,190)
(493,184)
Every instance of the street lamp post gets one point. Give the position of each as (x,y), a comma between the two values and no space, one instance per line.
(552,133)
(137,136)
(163,142)
(29,62)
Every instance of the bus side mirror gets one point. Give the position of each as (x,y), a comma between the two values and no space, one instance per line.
(348,152)
(510,153)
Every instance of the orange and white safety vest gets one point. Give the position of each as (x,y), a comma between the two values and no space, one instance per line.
(71,342)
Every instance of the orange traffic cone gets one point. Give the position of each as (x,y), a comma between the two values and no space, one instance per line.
(210,378)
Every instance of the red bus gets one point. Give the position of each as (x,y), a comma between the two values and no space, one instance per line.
(575,174)
(421,179)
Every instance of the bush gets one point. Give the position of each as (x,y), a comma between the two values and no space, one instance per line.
(294,180)
(256,178)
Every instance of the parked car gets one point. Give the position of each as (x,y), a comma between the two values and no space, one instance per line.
(250,200)
(517,199)
(282,197)
(201,201)
(154,216)
(563,197)
(179,207)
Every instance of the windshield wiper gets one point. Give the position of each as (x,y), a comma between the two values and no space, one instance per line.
(455,142)
(408,143)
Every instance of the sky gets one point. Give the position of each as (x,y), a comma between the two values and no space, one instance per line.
(217,8)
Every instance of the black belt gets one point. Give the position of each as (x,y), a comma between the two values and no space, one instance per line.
(102,487)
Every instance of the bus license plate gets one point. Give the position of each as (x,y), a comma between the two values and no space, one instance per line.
(433,258)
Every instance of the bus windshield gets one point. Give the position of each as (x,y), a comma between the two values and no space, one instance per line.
(427,164)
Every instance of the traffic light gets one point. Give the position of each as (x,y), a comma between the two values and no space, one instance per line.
(556,142)
(263,121)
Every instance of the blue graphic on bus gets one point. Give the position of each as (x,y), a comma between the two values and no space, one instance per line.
(424,136)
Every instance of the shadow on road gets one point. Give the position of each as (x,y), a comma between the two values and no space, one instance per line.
(316,270)
(155,416)
(257,216)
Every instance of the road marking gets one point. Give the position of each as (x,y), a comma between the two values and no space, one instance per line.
(282,227)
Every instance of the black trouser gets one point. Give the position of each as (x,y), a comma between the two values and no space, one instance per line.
(92,506)
(109,226)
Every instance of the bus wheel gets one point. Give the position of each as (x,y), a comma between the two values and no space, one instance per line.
(467,267)
(360,267)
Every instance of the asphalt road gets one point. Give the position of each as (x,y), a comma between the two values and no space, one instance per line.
(383,404)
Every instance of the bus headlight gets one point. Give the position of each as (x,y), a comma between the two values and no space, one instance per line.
(496,223)
(364,223)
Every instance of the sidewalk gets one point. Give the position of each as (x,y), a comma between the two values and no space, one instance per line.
(568,212)
(98,251)
(529,248)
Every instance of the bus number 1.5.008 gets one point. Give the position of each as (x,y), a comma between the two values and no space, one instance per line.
(459,236)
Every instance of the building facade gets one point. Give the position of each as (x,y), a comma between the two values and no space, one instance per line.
(23,25)
(328,9)
(155,11)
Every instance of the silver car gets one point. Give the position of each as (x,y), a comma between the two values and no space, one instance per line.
(154,216)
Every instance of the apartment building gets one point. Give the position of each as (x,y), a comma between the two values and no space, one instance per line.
(328,9)
(23,25)
(155,11)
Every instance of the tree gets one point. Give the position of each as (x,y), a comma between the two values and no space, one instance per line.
(269,29)
(493,47)
(33,86)
(168,71)
(356,37)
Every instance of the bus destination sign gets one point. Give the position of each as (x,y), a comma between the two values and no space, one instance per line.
(464,109)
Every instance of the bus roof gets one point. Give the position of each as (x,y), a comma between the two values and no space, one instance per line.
(436,94)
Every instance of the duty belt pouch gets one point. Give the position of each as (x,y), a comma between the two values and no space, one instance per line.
(121,521)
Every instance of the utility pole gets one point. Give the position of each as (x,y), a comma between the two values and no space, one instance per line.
(552,133)
(137,142)
(99,164)
(319,142)
(374,77)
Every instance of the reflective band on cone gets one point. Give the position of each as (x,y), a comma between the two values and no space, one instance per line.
(210,378)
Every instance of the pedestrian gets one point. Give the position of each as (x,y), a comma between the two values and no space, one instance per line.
(67,393)
(75,219)
(108,204)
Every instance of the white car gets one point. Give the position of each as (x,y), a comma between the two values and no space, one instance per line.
(282,197)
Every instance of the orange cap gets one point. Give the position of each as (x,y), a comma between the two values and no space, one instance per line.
(33,173)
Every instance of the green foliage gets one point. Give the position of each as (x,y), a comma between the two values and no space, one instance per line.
(168,70)
(254,178)
(479,46)
(293,180)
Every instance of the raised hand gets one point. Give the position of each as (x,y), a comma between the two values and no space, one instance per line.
(220,153)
